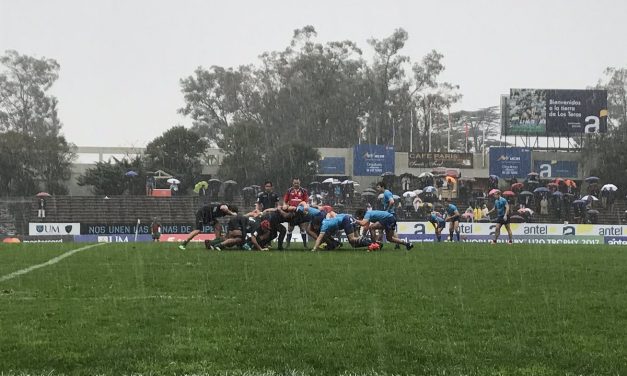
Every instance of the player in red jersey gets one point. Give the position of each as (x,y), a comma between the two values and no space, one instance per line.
(293,197)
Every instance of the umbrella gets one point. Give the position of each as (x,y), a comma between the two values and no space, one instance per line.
(200,185)
(591,179)
(517,186)
(493,191)
(534,182)
(552,185)
(314,184)
(217,181)
(347,182)
(558,180)
(541,190)
(355,184)
(452,172)
(418,191)
(370,190)
(509,194)
(245,189)
(525,193)
(230,182)
(439,171)
(470,180)
(131,174)
(173,181)
(368,194)
(532,174)
(609,187)
(494,177)
(409,194)
(380,196)
(429,189)
(557,194)
(579,202)
(525,210)
(589,197)
(330,180)
(396,197)
(425,175)
(387,174)
(42,194)
(593,211)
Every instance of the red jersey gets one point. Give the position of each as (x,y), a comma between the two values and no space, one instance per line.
(294,196)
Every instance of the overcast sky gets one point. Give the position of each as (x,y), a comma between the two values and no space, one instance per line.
(121,61)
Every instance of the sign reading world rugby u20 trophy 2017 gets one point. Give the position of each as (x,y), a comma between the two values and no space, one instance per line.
(372,160)
(431,160)
(556,112)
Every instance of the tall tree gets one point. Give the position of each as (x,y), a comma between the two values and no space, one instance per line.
(178,151)
(481,125)
(26,108)
(109,178)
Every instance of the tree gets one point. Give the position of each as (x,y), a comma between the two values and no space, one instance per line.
(484,122)
(177,151)
(108,178)
(26,109)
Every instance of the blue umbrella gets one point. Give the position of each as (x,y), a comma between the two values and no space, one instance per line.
(429,189)
(557,194)
(579,202)
(541,190)
(131,174)
(591,179)
(494,177)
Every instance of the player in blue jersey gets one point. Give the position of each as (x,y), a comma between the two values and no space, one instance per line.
(387,201)
(380,220)
(336,222)
(453,217)
(438,223)
(502,208)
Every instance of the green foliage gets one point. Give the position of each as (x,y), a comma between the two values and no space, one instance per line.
(322,94)
(33,154)
(252,156)
(177,151)
(108,178)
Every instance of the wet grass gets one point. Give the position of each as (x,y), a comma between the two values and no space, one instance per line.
(443,309)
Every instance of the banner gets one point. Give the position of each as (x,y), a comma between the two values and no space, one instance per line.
(431,160)
(555,112)
(47,239)
(129,228)
(510,162)
(38,229)
(331,166)
(111,238)
(372,160)
(556,169)
(536,230)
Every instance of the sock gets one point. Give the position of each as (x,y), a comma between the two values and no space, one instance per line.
(304,236)
(439,237)
(289,238)
(450,236)
(457,235)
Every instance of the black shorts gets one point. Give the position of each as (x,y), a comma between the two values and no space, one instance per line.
(298,220)
(238,223)
(204,218)
(502,221)
(454,219)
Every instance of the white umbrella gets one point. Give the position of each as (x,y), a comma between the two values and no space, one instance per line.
(330,180)
(418,191)
(396,197)
(173,181)
(348,182)
(589,197)
(380,195)
(409,194)
(609,187)
(355,184)
(425,174)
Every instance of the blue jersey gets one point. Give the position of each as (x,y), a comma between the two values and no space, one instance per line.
(500,205)
(451,209)
(387,197)
(377,215)
(332,224)
(437,220)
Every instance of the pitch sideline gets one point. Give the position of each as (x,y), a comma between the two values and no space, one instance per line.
(47,263)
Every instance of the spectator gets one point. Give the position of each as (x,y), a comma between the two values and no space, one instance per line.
(544,206)
(150,185)
(41,212)
(478,213)
(155,230)
(484,211)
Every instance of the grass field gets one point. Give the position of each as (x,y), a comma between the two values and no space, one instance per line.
(440,309)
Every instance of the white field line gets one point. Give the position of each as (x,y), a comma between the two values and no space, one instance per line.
(47,263)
